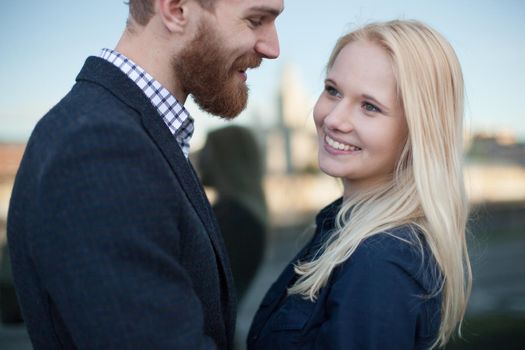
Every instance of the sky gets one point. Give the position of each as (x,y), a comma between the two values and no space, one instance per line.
(45,43)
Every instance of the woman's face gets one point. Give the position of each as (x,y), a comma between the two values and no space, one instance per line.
(359,118)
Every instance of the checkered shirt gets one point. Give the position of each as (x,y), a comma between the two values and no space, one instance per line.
(176,117)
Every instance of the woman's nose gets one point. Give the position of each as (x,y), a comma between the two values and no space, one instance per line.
(339,118)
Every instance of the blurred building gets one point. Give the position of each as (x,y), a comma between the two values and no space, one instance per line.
(291,144)
(495,170)
(499,147)
(10,156)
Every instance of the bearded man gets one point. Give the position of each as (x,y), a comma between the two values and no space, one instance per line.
(113,243)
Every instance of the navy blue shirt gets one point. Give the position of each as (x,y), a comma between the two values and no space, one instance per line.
(380,298)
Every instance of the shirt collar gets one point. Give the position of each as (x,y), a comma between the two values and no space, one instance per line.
(175,116)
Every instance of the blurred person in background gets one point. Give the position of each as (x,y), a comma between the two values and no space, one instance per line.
(10,313)
(231,163)
(388,266)
(112,240)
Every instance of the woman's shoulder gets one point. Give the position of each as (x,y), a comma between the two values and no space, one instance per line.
(405,239)
(401,251)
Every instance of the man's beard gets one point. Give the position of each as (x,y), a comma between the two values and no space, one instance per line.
(203,70)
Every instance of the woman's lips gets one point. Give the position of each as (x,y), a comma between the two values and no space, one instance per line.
(340,146)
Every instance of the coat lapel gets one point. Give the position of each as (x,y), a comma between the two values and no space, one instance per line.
(195,193)
(101,72)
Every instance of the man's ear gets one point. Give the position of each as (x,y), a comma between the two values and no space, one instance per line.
(174,14)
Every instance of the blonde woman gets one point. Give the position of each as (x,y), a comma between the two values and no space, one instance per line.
(388,265)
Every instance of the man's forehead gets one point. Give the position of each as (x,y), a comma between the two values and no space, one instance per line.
(271,7)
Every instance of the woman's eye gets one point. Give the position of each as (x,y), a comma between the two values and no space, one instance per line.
(330,90)
(370,107)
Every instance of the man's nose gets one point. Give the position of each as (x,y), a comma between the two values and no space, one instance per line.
(267,44)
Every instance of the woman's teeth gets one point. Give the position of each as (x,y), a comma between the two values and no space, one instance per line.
(340,146)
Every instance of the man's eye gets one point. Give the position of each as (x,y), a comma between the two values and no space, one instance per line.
(255,22)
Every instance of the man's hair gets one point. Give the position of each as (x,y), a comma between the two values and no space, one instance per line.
(141,11)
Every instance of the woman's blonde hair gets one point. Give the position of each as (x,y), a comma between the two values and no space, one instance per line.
(427,189)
